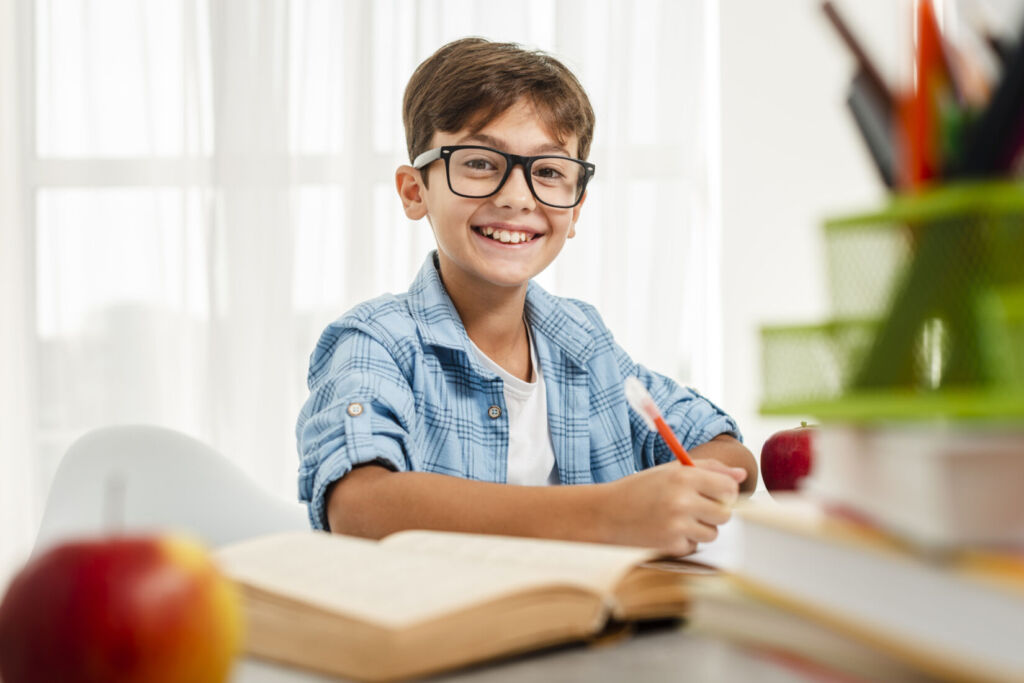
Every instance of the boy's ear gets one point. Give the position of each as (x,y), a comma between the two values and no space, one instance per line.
(409,184)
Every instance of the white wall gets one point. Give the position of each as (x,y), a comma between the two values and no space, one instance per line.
(790,156)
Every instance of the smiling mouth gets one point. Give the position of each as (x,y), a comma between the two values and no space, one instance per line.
(505,236)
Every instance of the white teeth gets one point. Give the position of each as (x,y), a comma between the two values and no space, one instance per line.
(505,236)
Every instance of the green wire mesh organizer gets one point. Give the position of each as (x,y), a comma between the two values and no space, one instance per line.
(928,303)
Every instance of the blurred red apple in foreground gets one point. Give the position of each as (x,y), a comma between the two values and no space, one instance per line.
(126,609)
(786,458)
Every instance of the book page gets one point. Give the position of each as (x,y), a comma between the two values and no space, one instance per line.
(596,565)
(723,552)
(389,587)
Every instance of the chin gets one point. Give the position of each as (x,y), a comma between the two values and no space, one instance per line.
(512,274)
(492,269)
(507,279)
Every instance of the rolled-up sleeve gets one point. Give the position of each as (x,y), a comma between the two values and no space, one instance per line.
(693,417)
(358,412)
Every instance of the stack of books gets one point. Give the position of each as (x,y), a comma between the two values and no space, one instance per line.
(901,559)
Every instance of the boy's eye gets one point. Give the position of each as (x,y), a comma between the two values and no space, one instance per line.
(479,164)
(548,173)
(554,172)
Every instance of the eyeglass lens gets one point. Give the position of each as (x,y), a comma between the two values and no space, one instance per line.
(478,173)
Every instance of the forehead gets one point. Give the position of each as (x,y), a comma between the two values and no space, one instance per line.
(522,128)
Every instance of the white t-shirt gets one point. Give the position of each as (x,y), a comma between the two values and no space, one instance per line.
(531,459)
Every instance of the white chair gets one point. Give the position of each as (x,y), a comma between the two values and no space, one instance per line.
(145,479)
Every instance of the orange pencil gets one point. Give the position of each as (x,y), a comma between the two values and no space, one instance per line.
(644,405)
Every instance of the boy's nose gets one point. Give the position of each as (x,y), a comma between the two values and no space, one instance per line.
(515,193)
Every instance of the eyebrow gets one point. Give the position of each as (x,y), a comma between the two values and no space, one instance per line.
(491,141)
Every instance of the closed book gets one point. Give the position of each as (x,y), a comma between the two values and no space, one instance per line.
(941,486)
(724,608)
(955,615)
(420,602)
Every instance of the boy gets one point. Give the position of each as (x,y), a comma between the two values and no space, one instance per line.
(426,406)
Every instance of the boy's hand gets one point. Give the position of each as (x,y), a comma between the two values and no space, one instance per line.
(671,507)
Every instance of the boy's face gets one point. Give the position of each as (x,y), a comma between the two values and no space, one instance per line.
(471,260)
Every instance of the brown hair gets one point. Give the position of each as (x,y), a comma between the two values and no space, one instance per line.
(472,81)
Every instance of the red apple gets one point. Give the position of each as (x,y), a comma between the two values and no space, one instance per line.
(786,458)
(128,609)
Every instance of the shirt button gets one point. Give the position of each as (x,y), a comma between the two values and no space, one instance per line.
(494,412)
(355,409)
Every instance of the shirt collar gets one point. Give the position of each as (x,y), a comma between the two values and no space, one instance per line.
(432,309)
(440,325)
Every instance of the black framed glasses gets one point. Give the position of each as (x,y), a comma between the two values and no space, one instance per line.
(476,172)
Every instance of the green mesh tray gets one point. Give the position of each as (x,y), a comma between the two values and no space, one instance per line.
(928,304)
(807,363)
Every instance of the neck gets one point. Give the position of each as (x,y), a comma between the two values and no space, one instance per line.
(493,318)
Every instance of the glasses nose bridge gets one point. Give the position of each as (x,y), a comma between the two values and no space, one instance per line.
(517,160)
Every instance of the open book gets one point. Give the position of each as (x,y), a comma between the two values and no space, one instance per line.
(419,602)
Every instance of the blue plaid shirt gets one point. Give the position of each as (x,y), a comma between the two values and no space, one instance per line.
(394,381)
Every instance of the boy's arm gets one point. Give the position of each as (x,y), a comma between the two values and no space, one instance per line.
(372,501)
(669,507)
(705,430)
(728,450)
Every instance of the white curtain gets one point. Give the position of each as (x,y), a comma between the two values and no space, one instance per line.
(203,185)
(17,400)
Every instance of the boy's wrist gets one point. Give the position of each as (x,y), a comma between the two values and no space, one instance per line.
(599,504)
(577,512)
(729,451)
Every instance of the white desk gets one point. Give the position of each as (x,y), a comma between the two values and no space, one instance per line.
(668,654)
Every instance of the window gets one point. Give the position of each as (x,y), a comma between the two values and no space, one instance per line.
(195,218)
